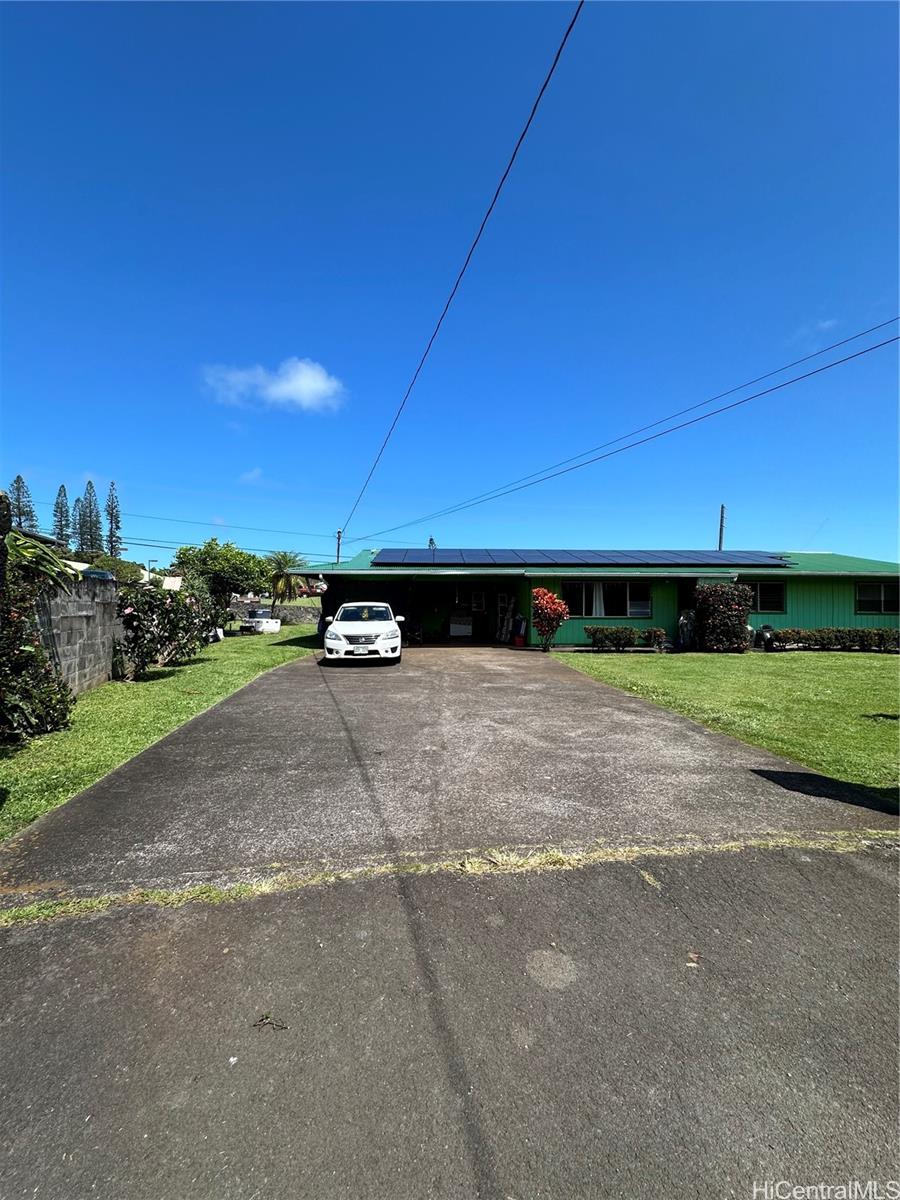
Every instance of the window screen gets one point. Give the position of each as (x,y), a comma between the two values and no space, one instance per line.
(615,599)
(868,597)
(573,597)
(639,599)
(891,595)
(770,597)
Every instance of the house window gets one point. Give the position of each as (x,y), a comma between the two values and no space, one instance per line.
(612,598)
(767,597)
(877,597)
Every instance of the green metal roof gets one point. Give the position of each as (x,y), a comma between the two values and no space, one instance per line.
(801,563)
(814,563)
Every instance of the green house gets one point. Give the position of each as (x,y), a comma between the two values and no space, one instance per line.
(484,596)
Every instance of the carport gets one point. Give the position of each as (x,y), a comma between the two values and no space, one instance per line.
(442,606)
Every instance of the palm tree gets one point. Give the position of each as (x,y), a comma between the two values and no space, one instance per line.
(282,578)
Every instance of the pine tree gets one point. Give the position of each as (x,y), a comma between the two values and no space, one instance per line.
(62,521)
(78,525)
(93,524)
(22,506)
(114,523)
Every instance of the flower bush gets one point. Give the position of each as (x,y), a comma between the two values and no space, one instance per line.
(160,627)
(34,698)
(722,610)
(548,613)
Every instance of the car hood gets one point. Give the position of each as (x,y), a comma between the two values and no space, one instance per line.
(357,627)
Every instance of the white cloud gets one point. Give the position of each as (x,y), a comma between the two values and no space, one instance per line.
(252,476)
(808,335)
(298,383)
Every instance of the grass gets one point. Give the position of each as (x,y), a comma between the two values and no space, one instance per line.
(484,862)
(114,722)
(835,713)
(301,602)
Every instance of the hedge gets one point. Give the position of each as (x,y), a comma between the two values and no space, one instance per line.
(621,637)
(721,612)
(836,639)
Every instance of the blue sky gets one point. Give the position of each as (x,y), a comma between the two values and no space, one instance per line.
(229,230)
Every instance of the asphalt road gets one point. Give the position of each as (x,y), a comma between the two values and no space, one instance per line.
(730,1020)
(686,1024)
(448,751)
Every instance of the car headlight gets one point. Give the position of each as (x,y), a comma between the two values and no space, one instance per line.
(333,636)
(392,636)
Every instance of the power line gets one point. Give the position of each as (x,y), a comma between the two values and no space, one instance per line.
(158,544)
(554,474)
(633,433)
(222,526)
(468,259)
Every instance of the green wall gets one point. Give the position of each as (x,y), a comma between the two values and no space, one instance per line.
(821,603)
(664,599)
(811,603)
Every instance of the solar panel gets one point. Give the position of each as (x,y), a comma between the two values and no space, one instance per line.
(389,557)
(450,556)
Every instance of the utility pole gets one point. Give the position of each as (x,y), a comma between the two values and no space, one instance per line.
(337,561)
(721,525)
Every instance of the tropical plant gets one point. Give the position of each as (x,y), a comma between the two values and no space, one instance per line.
(38,562)
(34,698)
(722,610)
(548,613)
(283,582)
(22,506)
(124,571)
(62,521)
(161,627)
(113,523)
(226,569)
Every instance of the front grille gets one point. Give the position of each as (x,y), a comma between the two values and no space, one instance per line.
(362,639)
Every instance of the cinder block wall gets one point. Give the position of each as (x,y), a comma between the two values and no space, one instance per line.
(78,628)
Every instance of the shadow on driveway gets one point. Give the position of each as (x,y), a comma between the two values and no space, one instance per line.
(882,800)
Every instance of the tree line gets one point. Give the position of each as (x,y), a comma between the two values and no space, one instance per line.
(220,570)
(78,528)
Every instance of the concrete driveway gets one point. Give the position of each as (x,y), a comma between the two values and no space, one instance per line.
(688,1025)
(449,750)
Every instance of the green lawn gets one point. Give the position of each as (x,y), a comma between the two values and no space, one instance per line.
(836,713)
(118,720)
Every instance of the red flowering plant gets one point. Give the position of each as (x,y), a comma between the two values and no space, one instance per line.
(547,614)
(722,611)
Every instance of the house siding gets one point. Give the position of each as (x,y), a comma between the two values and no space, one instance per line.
(820,603)
(664,601)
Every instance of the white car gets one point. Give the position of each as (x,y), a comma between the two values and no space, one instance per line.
(364,629)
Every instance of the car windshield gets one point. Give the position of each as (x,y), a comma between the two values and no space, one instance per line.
(364,612)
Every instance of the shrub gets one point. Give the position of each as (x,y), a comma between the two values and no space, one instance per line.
(621,637)
(124,571)
(722,610)
(548,613)
(160,627)
(885,640)
(612,637)
(34,697)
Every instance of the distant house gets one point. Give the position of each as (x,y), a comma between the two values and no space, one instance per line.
(475,595)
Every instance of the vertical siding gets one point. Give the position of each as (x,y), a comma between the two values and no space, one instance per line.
(818,603)
(664,598)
